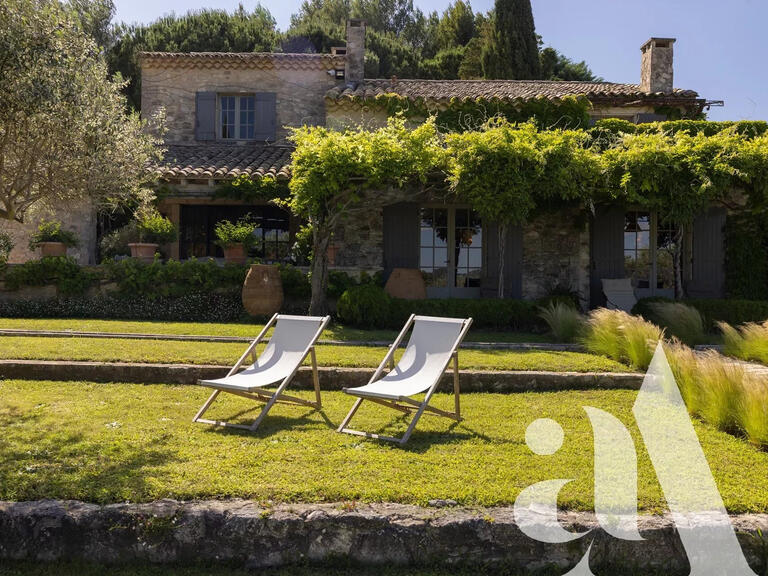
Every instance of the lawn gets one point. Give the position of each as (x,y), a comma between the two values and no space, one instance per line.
(333,332)
(226,353)
(116,442)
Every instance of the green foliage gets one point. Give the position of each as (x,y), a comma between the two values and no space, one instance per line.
(678,320)
(51,231)
(295,283)
(155,228)
(621,337)
(116,242)
(240,232)
(6,245)
(511,49)
(746,255)
(564,321)
(747,342)
(251,190)
(63,272)
(65,133)
(488,313)
(748,128)
(556,66)
(364,306)
(196,31)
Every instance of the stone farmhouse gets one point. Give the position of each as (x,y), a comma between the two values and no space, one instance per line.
(228,114)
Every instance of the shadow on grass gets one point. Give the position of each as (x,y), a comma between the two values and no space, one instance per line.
(72,465)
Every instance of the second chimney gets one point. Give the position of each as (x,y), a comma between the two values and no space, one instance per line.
(354,69)
(656,72)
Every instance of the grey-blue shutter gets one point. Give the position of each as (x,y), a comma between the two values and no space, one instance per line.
(708,255)
(205,116)
(266,116)
(401,236)
(607,250)
(513,262)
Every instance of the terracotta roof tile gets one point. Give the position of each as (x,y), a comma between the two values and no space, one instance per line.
(258,60)
(444,90)
(225,161)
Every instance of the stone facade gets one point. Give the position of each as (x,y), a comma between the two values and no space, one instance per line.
(556,254)
(360,242)
(79,217)
(657,71)
(299,94)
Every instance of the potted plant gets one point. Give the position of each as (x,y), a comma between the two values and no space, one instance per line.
(152,229)
(52,240)
(235,238)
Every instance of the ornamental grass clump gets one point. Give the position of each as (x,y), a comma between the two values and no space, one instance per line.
(564,321)
(622,337)
(683,322)
(748,342)
(722,386)
(753,413)
(685,368)
(639,340)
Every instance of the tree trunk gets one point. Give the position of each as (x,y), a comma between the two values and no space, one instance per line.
(502,257)
(321,238)
(678,263)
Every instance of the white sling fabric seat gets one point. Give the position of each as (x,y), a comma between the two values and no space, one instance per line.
(619,293)
(292,341)
(433,344)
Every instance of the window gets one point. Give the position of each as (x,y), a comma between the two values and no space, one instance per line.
(197,238)
(451,251)
(649,247)
(237,117)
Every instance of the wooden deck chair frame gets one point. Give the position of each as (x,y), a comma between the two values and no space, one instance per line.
(411,405)
(269,397)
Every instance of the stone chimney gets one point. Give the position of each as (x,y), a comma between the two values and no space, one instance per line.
(354,69)
(656,72)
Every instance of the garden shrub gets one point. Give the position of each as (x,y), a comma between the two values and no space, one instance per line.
(51,231)
(116,242)
(746,256)
(61,271)
(564,321)
(230,233)
(714,310)
(679,320)
(364,306)
(296,284)
(6,245)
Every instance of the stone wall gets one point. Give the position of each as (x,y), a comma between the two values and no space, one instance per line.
(360,242)
(79,217)
(556,254)
(300,95)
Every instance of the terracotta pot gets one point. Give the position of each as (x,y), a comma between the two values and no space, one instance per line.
(52,249)
(262,290)
(406,283)
(142,251)
(235,254)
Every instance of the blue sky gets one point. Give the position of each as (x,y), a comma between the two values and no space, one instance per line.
(721,50)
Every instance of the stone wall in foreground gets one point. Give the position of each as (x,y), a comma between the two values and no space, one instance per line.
(243,533)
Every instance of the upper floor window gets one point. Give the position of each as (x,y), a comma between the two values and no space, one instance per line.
(237,117)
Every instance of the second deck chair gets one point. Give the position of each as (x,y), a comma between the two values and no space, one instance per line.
(433,344)
(619,294)
(293,339)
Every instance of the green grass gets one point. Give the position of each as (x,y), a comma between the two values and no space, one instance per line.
(226,353)
(334,332)
(117,442)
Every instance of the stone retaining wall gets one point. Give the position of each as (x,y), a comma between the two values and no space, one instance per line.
(330,378)
(239,532)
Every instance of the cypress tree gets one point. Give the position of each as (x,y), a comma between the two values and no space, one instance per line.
(511,48)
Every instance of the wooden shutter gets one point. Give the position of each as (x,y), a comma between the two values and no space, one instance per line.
(607,250)
(401,237)
(708,255)
(266,116)
(513,264)
(205,116)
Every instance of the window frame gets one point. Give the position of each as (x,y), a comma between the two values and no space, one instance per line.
(451,290)
(236,127)
(653,247)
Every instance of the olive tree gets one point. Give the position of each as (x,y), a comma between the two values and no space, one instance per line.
(64,131)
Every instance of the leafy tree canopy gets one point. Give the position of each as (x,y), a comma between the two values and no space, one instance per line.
(64,133)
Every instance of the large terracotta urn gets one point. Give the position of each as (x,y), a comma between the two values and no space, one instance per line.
(262,290)
(406,283)
(52,249)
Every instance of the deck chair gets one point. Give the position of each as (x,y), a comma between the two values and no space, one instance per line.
(619,294)
(293,339)
(433,344)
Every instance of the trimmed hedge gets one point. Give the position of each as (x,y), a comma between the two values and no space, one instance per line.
(733,312)
(355,309)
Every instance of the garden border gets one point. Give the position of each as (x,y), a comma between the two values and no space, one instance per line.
(242,532)
(330,378)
